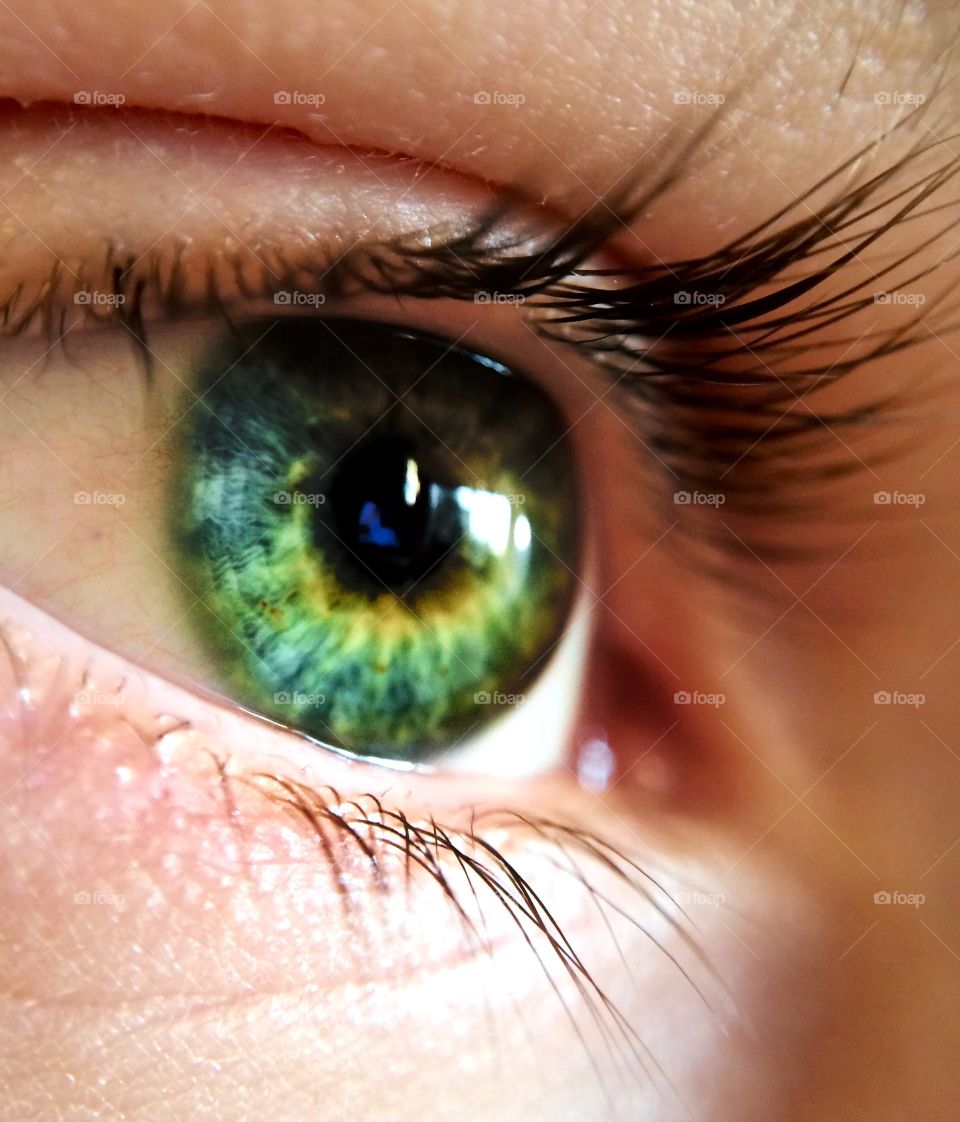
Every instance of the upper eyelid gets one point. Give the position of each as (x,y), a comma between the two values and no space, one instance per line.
(514,248)
(486,255)
(109,265)
(562,238)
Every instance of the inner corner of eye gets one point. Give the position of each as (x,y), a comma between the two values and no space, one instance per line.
(380,537)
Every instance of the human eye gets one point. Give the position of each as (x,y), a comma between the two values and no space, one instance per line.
(354,528)
(195,455)
(403,579)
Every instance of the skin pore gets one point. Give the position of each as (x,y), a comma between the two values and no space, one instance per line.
(175,941)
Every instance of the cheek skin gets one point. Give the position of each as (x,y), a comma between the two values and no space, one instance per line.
(151,905)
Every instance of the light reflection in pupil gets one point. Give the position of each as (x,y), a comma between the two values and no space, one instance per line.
(398,523)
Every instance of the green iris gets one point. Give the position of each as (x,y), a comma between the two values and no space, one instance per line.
(381,528)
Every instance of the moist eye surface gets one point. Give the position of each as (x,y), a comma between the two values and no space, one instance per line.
(382,530)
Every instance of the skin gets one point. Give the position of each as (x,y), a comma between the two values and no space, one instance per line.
(217,973)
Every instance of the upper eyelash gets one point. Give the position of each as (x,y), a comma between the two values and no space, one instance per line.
(624,325)
(667,359)
(482,258)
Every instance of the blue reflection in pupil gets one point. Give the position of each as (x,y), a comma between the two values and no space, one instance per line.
(394,520)
(372,530)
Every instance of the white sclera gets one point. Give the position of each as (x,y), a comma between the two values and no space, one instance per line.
(533,735)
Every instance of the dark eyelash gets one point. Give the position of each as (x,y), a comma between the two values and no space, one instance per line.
(440,852)
(712,389)
(443,853)
(719,381)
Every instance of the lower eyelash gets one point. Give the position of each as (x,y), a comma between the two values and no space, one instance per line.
(379,831)
(469,862)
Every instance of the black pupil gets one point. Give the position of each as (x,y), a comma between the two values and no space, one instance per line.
(394,520)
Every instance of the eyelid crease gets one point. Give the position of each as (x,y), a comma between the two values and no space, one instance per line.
(710,383)
(517,247)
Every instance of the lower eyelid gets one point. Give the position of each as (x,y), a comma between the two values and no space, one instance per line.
(101,808)
(149,741)
(204,888)
(86,737)
(55,681)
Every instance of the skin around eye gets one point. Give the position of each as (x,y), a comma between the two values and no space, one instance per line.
(202,812)
(191,924)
